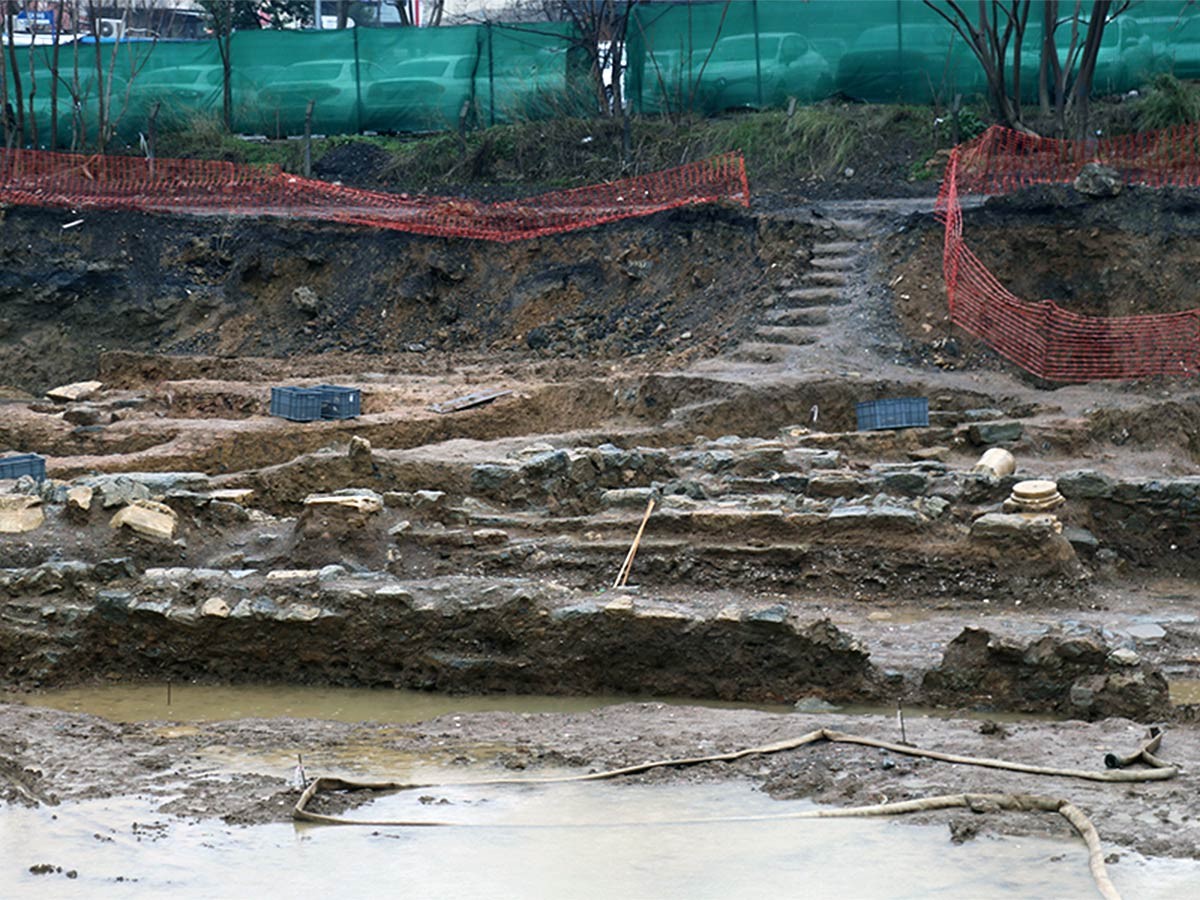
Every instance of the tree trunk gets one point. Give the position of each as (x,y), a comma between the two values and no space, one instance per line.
(18,97)
(1087,65)
(1049,55)
(4,104)
(54,58)
(33,129)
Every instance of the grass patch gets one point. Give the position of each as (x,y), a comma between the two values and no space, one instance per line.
(1169,102)
(781,151)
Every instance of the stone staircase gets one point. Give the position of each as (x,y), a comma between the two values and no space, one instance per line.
(803,307)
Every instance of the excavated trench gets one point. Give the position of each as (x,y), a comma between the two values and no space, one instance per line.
(1117,256)
(480,553)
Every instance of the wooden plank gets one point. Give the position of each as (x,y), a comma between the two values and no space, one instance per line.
(468,401)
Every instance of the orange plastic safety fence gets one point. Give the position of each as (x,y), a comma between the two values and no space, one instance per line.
(1042,337)
(38,178)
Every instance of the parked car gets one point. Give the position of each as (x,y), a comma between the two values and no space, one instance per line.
(331,84)
(884,65)
(424,94)
(751,73)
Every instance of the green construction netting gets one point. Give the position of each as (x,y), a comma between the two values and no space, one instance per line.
(709,57)
(359,79)
(705,56)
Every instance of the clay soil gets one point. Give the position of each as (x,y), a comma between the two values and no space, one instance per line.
(624,350)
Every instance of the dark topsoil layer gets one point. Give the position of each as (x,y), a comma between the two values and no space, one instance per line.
(684,283)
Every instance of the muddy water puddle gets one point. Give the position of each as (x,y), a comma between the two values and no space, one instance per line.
(548,841)
(211,703)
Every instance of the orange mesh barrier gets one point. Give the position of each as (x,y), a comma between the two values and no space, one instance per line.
(37,178)
(1043,338)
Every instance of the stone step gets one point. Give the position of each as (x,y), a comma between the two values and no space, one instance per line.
(816,296)
(834,248)
(822,276)
(833,263)
(852,228)
(785,334)
(754,351)
(804,316)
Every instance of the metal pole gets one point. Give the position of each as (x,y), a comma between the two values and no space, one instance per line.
(317,13)
(757,56)
(491,78)
(357,84)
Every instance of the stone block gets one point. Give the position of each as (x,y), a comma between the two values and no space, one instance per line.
(79,390)
(20,513)
(147,518)
(1085,484)
(983,433)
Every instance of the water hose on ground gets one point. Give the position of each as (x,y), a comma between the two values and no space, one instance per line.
(1117,771)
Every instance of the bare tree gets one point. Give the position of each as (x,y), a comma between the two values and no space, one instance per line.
(59,11)
(111,95)
(7,122)
(430,11)
(9,28)
(1065,83)
(221,16)
(997,25)
(602,27)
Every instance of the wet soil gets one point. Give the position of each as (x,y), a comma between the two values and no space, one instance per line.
(789,555)
(53,757)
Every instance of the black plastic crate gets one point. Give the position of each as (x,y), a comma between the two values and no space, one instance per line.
(296,404)
(339,402)
(23,464)
(901,412)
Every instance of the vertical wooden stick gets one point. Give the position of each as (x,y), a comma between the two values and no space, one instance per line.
(623,574)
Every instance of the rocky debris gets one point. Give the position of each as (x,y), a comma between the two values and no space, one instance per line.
(1015,527)
(86,414)
(1031,542)
(1098,180)
(359,452)
(426,502)
(359,500)
(936,453)
(20,513)
(1085,484)
(983,433)
(215,607)
(1072,673)
(569,481)
(126,487)
(147,518)
(80,497)
(71,393)
(306,300)
(340,526)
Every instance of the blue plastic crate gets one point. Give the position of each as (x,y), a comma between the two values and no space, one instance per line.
(23,464)
(296,404)
(901,412)
(339,402)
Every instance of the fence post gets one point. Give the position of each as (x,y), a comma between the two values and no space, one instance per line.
(757,56)
(491,78)
(152,136)
(308,138)
(899,52)
(357,84)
